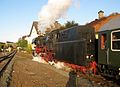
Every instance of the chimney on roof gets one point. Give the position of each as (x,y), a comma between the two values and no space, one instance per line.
(100,14)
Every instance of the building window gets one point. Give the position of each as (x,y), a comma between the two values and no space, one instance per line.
(103,41)
(115,39)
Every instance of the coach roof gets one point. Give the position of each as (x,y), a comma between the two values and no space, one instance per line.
(112,24)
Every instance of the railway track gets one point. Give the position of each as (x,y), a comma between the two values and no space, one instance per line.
(5,60)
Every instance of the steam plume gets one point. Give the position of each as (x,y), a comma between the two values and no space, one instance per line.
(77,3)
(52,11)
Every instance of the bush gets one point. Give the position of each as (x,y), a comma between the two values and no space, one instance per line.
(29,48)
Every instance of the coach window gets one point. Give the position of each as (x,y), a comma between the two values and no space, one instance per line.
(103,41)
(115,40)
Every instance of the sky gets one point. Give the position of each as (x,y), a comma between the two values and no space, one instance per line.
(17,16)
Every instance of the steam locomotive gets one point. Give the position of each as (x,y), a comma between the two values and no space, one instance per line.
(81,44)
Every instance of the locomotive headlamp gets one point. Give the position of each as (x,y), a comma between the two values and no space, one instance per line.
(119,70)
(87,57)
(90,40)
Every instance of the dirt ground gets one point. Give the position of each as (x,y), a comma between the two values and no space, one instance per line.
(28,73)
(2,54)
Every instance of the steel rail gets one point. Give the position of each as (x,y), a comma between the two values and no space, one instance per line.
(6,58)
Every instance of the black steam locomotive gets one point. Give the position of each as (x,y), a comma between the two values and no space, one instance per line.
(79,45)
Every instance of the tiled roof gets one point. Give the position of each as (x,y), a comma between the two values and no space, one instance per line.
(98,23)
(111,25)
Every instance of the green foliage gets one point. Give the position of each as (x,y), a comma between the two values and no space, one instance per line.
(22,43)
(29,48)
(69,24)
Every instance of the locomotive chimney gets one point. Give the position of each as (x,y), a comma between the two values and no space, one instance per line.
(100,14)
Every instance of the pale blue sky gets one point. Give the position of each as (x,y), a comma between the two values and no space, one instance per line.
(16,16)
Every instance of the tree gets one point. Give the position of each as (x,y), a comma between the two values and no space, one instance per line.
(22,43)
(70,24)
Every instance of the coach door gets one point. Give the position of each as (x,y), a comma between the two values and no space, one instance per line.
(103,48)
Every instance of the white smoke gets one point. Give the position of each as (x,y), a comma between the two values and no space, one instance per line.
(77,3)
(52,11)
